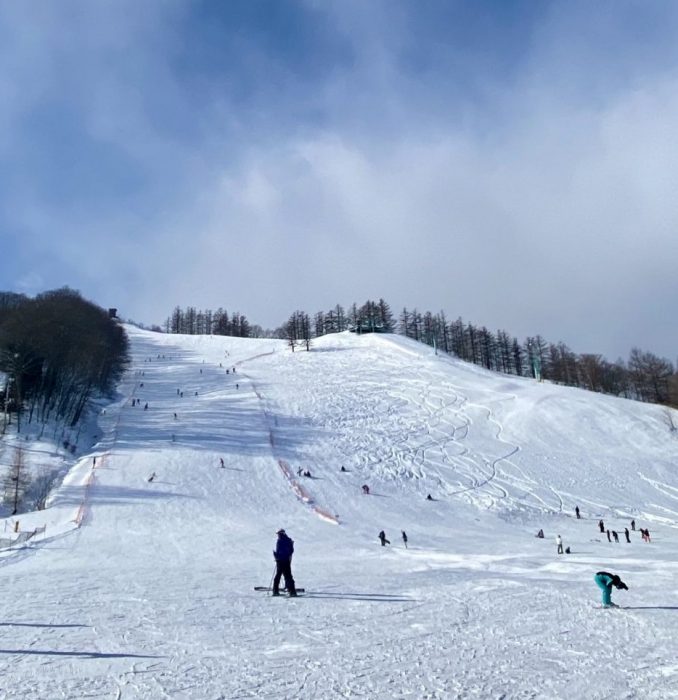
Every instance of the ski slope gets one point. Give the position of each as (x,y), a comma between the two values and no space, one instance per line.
(143,589)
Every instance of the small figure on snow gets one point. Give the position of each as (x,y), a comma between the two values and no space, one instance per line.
(633,525)
(300,471)
(221,461)
(382,538)
(146,406)
(577,513)
(307,474)
(605,581)
(151,477)
(601,525)
(626,534)
(366,489)
(559,542)
(540,534)
(284,549)
(429,497)
(609,539)
(343,468)
(616,536)
(404,538)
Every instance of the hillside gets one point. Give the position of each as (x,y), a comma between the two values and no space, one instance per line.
(152,595)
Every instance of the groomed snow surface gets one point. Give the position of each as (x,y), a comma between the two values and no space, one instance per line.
(152,595)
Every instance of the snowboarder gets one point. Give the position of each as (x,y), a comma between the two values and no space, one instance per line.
(284,549)
(605,581)
(307,474)
(343,468)
(404,538)
(576,510)
(601,525)
(429,497)
(540,534)
(626,534)
(382,538)
(559,542)
(616,536)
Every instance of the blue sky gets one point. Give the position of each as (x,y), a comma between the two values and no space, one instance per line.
(510,162)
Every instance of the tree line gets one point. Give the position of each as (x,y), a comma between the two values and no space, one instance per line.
(644,376)
(192,321)
(57,352)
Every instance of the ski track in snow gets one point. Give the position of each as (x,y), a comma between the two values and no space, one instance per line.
(152,595)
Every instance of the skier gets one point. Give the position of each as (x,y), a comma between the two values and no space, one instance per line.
(616,536)
(404,538)
(221,462)
(633,525)
(559,542)
(366,489)
(382,538)
(284,549)
(609,539)
(605,581)
(601,525)
(626,534)
(576,510)
(151,477)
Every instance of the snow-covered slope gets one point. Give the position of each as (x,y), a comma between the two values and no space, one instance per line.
(152,596)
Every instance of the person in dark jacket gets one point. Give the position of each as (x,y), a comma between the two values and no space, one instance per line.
(404,538)
(578,514)
(382,538)
(605,581)
(284,549)
(601,525)
(626,533)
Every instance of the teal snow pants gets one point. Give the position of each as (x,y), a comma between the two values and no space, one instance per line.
(605,585)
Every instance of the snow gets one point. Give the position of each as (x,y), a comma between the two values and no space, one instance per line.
(144,589)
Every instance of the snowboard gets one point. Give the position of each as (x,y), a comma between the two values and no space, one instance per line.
(266,588)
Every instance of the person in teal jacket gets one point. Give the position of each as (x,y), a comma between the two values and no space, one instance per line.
(605,581)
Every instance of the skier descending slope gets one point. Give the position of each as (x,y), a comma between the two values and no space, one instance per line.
(605,581)
(283,563)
